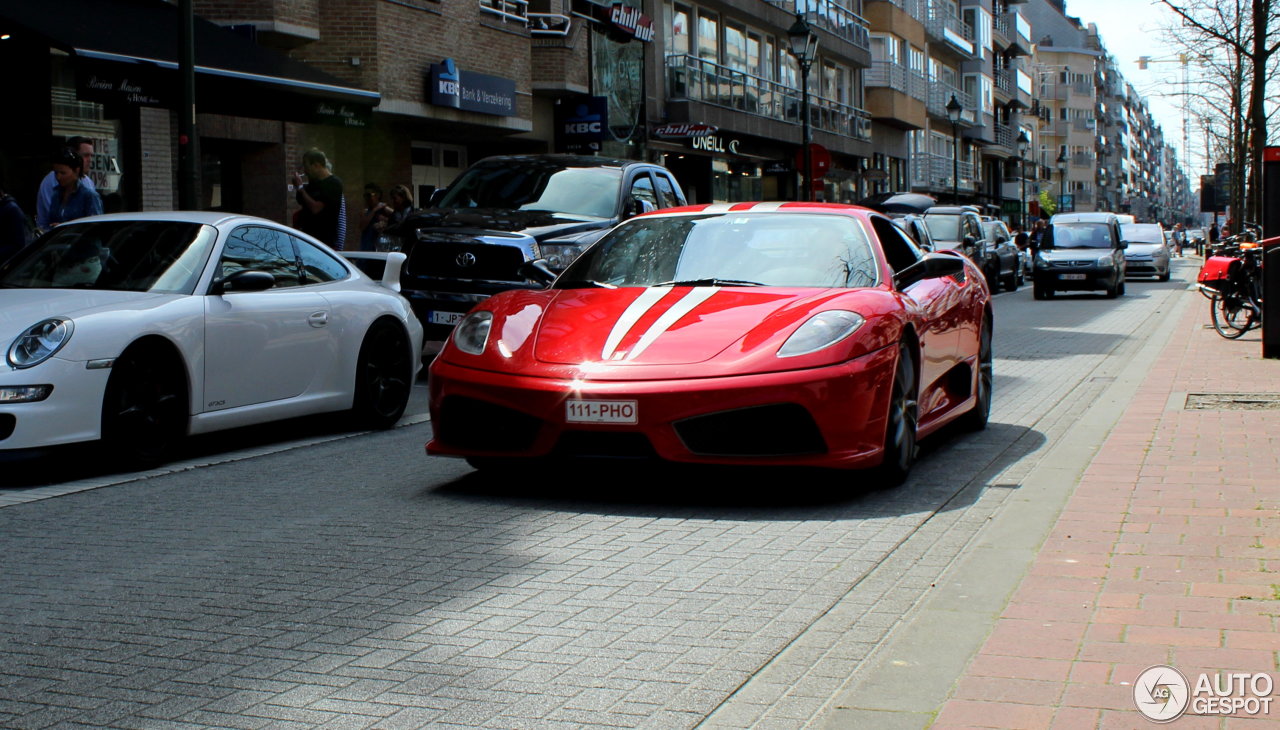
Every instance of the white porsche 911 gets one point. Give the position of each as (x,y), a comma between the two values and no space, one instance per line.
(141,328)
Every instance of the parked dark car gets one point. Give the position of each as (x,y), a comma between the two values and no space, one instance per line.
(1003,253)
(481,234)
(915,227)
(1080,252)
(959,227)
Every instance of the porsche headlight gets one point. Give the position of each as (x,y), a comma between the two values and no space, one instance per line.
(560,255)
(821,331)
(472,333)
(39,342)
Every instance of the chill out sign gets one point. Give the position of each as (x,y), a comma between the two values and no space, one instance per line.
(470,91)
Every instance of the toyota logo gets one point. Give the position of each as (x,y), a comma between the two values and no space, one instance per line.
(465,260)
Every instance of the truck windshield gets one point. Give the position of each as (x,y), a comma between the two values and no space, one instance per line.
(589,192)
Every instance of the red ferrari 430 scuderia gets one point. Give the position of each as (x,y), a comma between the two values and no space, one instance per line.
(802,334)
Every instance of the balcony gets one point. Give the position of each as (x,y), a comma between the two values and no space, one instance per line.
(691,78)
(886,74)
(826,14)
(1084,159)
(940,93)
(934,172)
(511,11)
(941,22)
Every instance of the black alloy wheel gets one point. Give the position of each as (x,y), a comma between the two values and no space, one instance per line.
(976,419)
(384,376)
(900,423)
(144,408)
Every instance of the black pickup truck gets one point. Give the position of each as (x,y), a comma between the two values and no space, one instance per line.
(503,213)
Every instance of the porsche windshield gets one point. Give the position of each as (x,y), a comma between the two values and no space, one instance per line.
(731,249)
(589,192)
(144,256)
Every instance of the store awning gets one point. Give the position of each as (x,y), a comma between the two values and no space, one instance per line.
(129,44)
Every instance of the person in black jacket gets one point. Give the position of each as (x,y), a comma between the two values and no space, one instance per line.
(13,226)
(323,213)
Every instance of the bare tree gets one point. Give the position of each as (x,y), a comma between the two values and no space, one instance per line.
(1242,29)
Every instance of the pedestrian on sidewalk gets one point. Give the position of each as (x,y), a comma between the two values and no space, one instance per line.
(48,193)
(323,213)
(75,199)
(14,230)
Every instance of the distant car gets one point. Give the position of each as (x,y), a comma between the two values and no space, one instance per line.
(1080,252)
(1147,253)
(1149,249)
(1004,252)
(959,228)
(141,328)
(784,334)
(915,227)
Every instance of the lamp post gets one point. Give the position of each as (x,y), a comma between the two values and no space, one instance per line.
(1023,142)
(1062,176)
(953,113)
(804,46)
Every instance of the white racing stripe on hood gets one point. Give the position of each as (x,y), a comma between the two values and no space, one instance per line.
(687,304)
(633,313)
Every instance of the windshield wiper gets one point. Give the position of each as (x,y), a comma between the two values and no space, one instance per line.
(581,283)
(710,282)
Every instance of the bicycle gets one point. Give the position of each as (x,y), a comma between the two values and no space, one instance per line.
(1234,287)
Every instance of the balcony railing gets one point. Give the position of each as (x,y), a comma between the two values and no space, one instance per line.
(899,78)
(1083,159)
(940,93)
(942,22)
(549,25)
(1005,136)
(832,17)
(516,11)
(692,78)
(934,172)
(1004,80)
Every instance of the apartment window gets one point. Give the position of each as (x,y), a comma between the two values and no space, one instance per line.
(886,48)
(708,37)
(767,62)
(916,60)
(735,47)
(678,39)
(754,61)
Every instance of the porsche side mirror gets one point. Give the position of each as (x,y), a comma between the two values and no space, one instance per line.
(243,280)
(931,266)
(537,270)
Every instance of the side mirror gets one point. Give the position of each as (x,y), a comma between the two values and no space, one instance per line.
(537,270)
(931,266)
(636,206)
(243,280)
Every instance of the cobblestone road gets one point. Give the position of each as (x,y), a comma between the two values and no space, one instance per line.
(355,583)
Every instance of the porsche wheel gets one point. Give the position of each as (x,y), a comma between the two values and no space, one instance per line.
(144,407)
(900,424)
(976,419)
(384,376)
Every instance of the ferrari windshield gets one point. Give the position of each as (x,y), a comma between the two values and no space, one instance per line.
(143,256)
(730,249)
(589,192)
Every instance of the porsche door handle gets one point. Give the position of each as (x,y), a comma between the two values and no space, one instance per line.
(318,319)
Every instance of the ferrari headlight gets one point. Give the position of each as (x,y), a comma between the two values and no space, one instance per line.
(472,333)
(560,255)
(821,331)
(39,342)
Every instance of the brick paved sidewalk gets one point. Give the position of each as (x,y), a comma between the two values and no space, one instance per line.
(1168,552)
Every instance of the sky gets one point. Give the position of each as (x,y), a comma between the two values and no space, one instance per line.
(1133,28)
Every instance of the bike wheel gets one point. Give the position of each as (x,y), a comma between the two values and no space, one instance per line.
(1230,317)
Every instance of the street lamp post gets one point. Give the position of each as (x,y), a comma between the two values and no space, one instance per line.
(1062,177)
(1023,143)
(953,113)
(804,46)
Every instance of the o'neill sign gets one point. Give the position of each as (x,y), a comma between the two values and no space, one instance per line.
(632,22)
